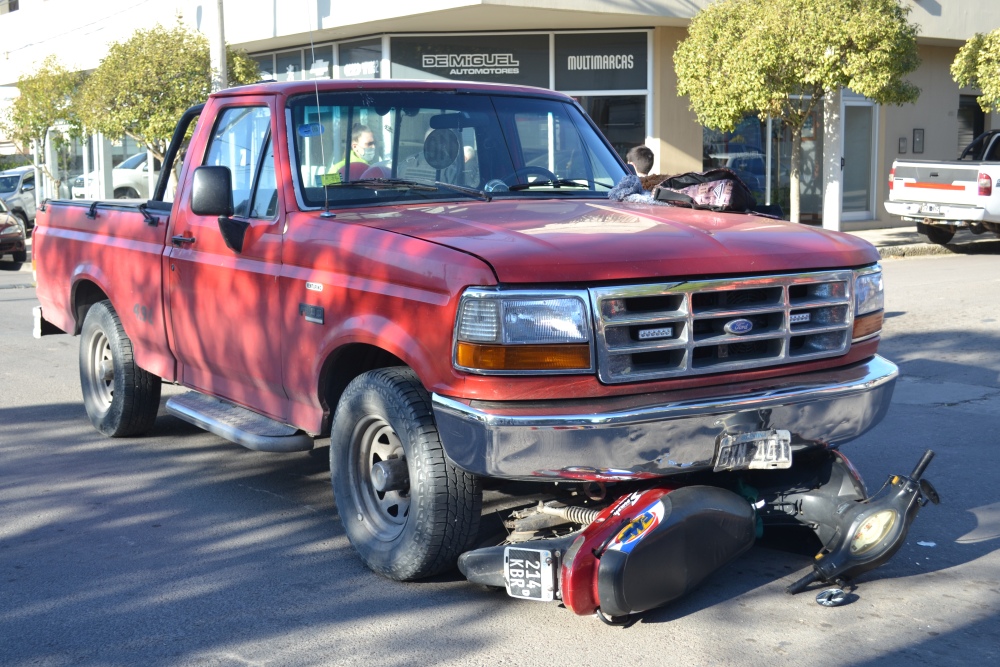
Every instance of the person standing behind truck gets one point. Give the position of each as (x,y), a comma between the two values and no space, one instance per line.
(641,159)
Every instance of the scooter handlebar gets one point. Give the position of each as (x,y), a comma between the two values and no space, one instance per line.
(922,465)
(802,583)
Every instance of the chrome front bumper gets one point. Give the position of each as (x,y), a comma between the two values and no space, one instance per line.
(653,435)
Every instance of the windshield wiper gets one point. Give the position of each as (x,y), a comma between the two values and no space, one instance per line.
(558,183)
(384,183)
(404,184)
(472,192)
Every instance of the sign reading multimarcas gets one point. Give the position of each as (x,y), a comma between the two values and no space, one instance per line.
(521,59)
(601,61)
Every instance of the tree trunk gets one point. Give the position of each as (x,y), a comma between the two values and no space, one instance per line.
(793,195)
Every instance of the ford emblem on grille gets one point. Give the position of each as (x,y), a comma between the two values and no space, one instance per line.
(738,327)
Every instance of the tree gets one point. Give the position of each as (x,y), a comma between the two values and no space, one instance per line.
(144,84)
(779,58)
(977,65)
(44,103)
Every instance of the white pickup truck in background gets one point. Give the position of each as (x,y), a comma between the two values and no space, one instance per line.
(943,197)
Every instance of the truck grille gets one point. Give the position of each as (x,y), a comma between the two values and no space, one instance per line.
(648,332)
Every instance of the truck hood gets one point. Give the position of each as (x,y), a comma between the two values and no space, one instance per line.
(576,241)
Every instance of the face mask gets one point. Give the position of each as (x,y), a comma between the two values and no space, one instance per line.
(368,154)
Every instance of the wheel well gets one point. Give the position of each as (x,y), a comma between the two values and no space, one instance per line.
(343,366)
(85,294)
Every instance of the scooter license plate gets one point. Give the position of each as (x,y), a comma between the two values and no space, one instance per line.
(758,450)
(530,573)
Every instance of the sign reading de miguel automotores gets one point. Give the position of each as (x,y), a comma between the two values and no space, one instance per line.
(601,61)
(521,59)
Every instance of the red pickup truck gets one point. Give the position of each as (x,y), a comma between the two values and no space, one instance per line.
(432,274)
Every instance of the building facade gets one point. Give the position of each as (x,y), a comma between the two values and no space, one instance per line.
(616,58)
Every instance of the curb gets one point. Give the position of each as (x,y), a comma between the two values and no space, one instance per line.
(988,246)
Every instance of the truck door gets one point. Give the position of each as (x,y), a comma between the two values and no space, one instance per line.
(223,305)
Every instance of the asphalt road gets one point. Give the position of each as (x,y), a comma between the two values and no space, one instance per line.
(182,549)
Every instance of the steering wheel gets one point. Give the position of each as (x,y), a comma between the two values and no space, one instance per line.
(530,170)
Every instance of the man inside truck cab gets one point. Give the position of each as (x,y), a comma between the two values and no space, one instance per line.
(363,153)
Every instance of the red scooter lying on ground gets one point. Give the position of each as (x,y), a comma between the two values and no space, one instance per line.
(655,542)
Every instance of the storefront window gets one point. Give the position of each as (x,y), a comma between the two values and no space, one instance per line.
(361,60)
(266,66)
(621,118)
(289,66)
(744,150)
(320,61)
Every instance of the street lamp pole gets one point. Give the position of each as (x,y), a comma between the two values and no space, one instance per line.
(217,41)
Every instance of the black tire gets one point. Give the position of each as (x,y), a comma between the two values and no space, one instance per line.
(121,399)
(126,193)
(936,233)
(417,531)
(20,257)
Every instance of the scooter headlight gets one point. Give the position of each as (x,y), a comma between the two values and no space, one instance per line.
(872,531)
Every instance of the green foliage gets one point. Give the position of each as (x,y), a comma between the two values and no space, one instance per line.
(45,100)
(977,65)
(144,84)
(778,57)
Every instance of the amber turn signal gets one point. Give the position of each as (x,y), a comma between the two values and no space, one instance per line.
(866,325)
(523,357)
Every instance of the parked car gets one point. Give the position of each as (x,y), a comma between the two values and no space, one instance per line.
(12,238)
(17,189)
(130,179)
(942,197)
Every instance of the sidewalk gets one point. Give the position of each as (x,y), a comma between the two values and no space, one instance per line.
(900,242)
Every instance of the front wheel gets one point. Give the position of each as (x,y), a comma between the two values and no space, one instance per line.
(407,511)
(935,233)
(121,399)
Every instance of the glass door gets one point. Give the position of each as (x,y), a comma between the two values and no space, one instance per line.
(859,158)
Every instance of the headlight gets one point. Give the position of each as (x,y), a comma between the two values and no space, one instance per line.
(869,302)
(13,230)
(522,332)
(872,531)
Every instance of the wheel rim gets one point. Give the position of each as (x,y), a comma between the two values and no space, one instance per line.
(384,512)
(102,371)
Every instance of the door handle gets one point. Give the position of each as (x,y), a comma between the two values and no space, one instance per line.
(178,240)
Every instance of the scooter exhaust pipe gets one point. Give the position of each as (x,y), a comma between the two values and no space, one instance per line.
(872,531)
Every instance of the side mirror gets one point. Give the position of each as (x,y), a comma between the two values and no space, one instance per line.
(212,194)
(28,187)
(212,191)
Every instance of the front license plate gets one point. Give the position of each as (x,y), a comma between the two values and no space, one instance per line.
(530,573)
(759,450)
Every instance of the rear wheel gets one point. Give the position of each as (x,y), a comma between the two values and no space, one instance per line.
(126,193)
(121,399)
(20,257)
(407,511)
(936,233)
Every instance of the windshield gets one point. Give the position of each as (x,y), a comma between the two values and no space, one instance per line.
(8,183)
(134,162)
(381,147)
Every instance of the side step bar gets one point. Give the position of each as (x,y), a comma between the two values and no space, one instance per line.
(238,424)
